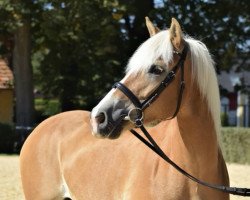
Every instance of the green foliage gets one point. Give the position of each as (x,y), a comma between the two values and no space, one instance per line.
(236,145)
(7,138)
(222,25)
(224,119)
(80,47)
(78,51)
(46,108)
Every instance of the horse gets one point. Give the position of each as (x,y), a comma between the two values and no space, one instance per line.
(83,155)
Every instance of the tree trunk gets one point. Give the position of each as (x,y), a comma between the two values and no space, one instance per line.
(23,78)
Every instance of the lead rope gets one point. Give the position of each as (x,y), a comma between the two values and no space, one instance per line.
(155,147)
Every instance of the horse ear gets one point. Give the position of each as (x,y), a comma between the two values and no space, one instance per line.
(151,28)
(176,35)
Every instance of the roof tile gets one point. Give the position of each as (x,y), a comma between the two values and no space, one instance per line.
(6,76)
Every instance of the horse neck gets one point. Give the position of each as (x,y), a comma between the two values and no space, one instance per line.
(190,140)
(194,140)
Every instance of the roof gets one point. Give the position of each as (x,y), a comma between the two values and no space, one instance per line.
(6,75)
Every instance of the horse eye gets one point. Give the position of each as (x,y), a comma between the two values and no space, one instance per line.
(156,69)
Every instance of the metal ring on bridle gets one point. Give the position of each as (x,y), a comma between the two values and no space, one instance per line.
(135,115)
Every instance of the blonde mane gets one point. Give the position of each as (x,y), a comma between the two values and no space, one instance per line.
(205,75)
(159,46)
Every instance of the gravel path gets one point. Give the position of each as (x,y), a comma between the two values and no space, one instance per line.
(10,184)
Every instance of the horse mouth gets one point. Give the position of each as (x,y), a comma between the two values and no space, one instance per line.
(115,132)
(112,130)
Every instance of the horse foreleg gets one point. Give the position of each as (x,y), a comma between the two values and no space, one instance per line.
(40,172)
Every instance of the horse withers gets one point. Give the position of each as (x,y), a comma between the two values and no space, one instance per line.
(61,159)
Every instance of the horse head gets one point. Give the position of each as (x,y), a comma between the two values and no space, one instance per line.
(156,60)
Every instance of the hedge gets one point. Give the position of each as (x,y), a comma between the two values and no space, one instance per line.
(236,144)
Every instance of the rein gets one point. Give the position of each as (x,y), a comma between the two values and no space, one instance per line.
(136,116)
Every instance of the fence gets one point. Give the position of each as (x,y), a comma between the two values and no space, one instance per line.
(238,117)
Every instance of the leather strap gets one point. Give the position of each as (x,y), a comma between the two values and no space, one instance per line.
(129,94)
(166,82)
(154,147)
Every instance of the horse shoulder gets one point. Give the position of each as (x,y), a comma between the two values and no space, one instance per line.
(41,154)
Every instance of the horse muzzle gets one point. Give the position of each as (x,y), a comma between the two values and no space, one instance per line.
(107,120)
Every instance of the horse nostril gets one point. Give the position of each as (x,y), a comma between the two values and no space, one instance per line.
(100,118)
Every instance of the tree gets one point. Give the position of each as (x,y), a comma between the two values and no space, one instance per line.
(23,76)
(79,45)
(222,25)
(16,24)
(75,48)
(134,21)
(78,48)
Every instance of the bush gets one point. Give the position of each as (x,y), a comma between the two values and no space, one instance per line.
(7,138)
(236,145)
(46,108)
(224,119)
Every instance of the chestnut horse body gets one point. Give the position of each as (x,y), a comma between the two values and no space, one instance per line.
(61,159)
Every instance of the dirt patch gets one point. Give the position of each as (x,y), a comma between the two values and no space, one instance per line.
(10,183)
(239,177)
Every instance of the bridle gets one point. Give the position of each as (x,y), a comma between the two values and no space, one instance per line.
(140,107)
(136,116)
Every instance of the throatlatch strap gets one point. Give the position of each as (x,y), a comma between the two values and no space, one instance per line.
(180,95)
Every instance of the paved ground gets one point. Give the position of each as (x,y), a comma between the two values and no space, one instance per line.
(10,185)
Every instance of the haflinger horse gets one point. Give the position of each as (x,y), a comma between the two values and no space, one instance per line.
(61,159)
